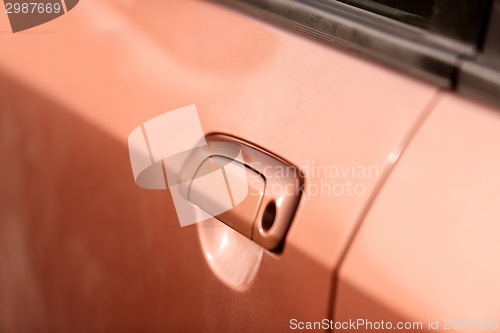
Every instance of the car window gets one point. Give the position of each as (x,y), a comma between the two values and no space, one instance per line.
(461,20)
(416,13)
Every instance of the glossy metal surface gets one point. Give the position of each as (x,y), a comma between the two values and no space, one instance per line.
(82,248)
(428,248)
(233,258)
(242,217)
(283,190)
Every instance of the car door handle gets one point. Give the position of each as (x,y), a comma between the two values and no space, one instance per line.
(272,185)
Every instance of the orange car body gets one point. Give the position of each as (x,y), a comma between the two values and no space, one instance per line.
(83,249)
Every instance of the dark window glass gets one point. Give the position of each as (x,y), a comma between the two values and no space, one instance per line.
(414,12)
(462,20)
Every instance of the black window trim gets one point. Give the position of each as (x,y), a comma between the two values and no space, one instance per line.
(438,59)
